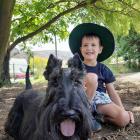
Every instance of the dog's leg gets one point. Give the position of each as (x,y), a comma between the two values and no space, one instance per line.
(13,123)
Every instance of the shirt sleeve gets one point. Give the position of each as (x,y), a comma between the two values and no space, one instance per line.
(108,75)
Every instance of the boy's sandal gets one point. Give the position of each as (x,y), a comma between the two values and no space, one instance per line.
(96,126)
(99,117)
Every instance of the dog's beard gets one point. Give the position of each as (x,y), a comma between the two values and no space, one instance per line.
(70,127)
(64,125)
(62,122)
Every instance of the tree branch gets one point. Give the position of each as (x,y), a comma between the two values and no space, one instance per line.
(52,5)
(47,25)
(112,10)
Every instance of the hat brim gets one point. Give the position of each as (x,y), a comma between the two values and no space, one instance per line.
(104,34)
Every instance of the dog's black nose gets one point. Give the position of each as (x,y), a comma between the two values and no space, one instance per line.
(69,113)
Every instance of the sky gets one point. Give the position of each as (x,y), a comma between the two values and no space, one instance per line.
(61,45)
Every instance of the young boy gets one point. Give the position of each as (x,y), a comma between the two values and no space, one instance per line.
(95,43)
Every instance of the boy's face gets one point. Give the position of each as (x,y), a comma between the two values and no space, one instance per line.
(90,48)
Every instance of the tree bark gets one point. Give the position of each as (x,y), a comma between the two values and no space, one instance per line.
(6,74)
(6,9)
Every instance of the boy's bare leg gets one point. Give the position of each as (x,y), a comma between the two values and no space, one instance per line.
(91,83)
(115,114)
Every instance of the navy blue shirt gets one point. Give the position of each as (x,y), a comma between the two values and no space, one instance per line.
(104,74)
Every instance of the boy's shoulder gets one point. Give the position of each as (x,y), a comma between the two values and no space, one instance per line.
(100,67)
(107,73)
(104,67)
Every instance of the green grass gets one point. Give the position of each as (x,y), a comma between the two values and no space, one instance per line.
(119,69)
(34,80)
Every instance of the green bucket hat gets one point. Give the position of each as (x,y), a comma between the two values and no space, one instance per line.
(104,34)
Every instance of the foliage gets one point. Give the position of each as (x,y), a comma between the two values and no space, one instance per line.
(29,16)
(130,48)
(38,65)
(116,15)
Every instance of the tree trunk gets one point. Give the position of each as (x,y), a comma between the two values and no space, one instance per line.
(6,8)
(6,75)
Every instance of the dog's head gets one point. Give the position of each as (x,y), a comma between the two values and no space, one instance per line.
(66,105)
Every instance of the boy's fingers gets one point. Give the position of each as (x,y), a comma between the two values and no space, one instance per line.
(131,116)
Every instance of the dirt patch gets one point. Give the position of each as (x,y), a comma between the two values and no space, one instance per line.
(133,78)
(127,86)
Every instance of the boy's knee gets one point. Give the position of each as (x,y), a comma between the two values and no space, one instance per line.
(123,119)
(91,78)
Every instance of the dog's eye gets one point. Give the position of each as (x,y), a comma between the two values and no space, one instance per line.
(62,102)
(77,82)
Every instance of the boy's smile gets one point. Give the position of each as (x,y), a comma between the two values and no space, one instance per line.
(90,48)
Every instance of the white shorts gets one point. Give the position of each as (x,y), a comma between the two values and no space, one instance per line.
(100,98)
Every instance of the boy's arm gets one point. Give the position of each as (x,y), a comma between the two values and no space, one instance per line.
(113,95)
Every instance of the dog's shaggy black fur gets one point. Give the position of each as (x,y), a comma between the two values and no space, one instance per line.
(62,113)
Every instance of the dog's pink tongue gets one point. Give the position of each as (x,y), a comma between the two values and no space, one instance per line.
(67,127)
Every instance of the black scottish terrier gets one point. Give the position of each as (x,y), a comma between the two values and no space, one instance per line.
(62,113)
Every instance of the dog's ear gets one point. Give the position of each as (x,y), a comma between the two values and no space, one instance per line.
(76,62)
(77,68)
(53,63)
